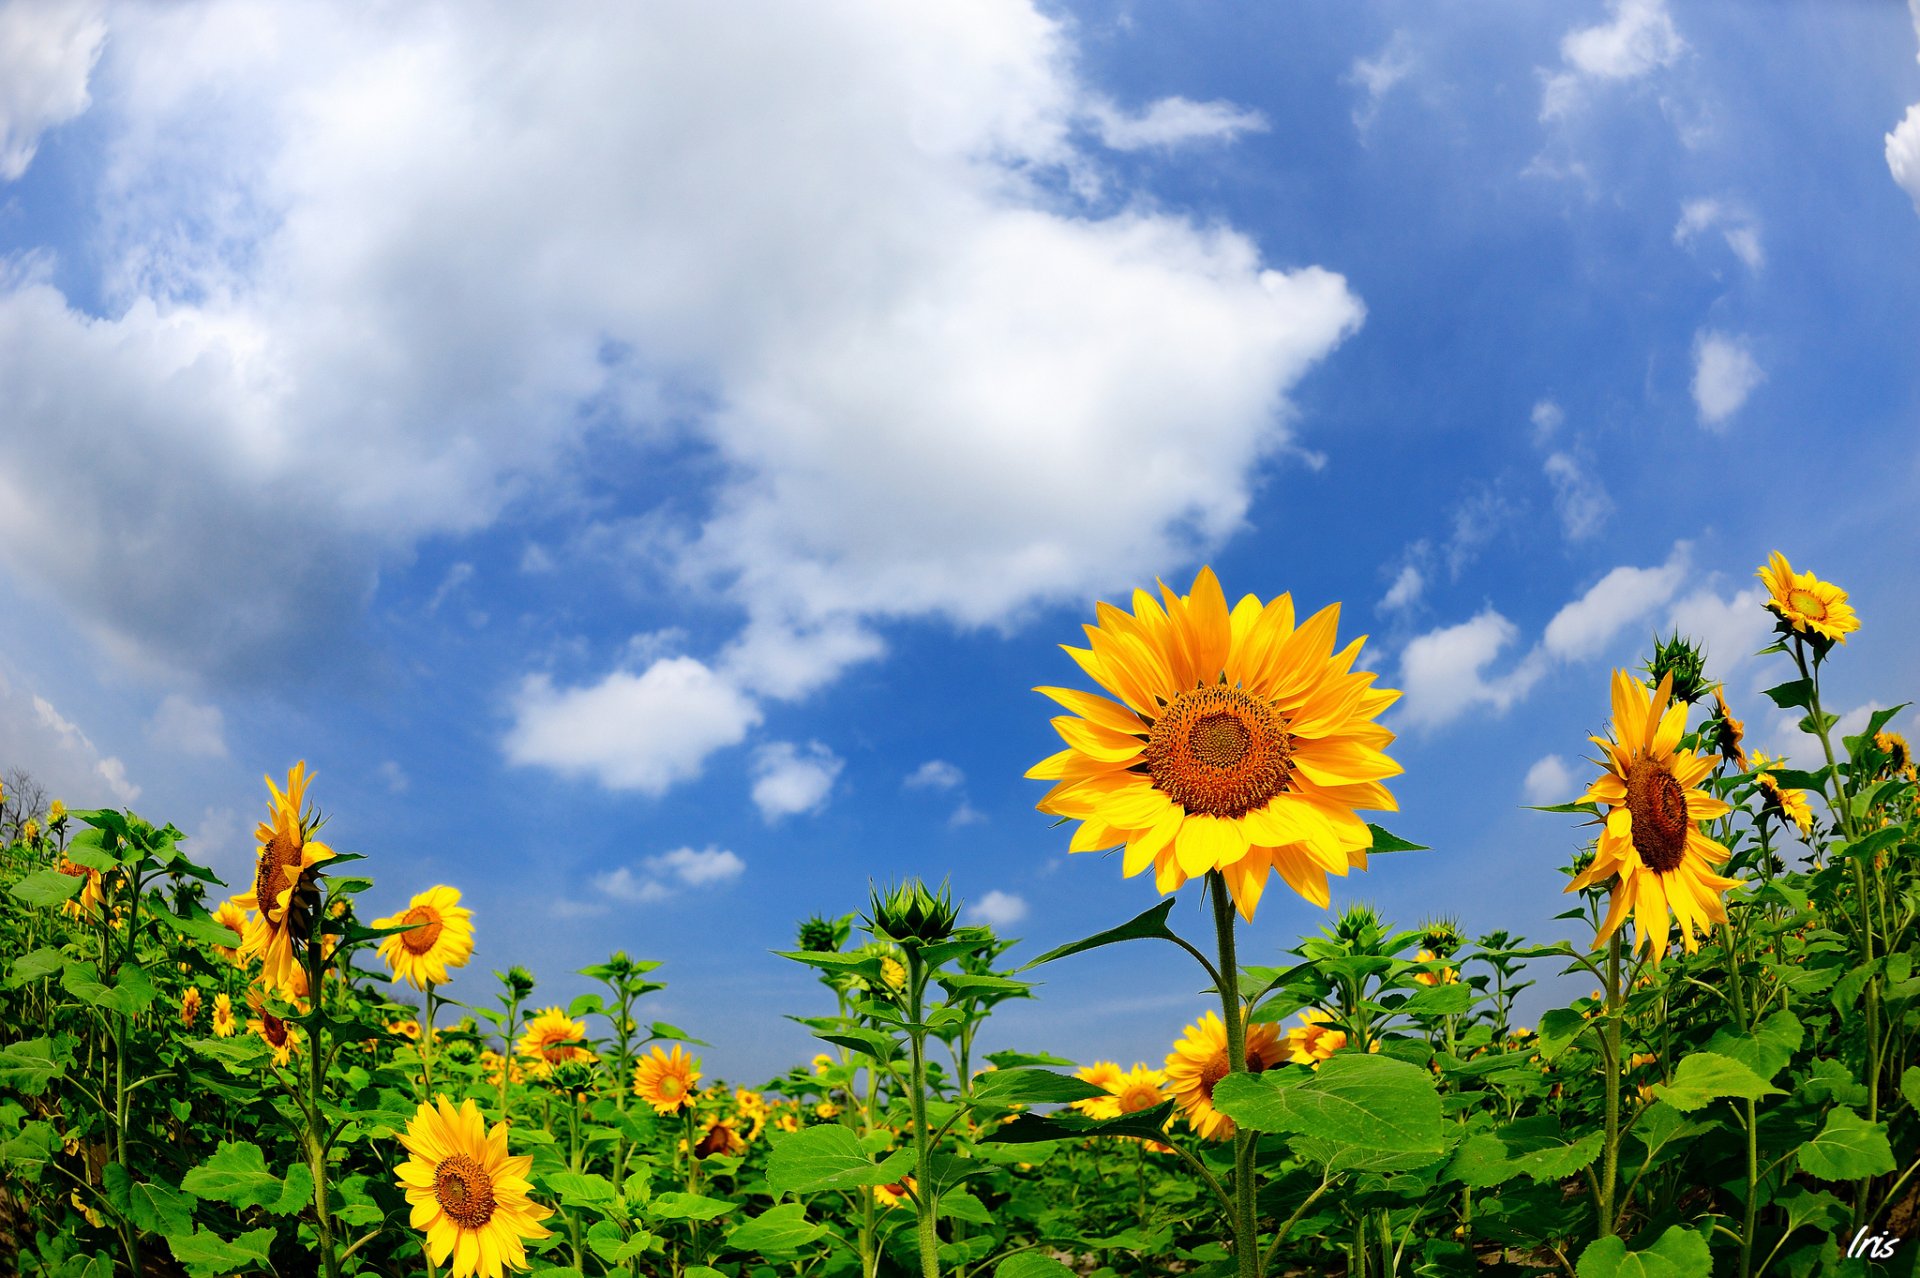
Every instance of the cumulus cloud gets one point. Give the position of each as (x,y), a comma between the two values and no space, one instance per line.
(47,53)
(1405,590)
(1171,122)
(196,730)
(1724,374)
(964,815)
(661,877)
(1903,154)
(788,780)
(998,909)
(1729,630)
(934,774)
(1585,627)
(1443,672)
(1738,228)
(1579,498)
(361,293)
(1550,781)
(640,732)
(36,736)
(1639,38)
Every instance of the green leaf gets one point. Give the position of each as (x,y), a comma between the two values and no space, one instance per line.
(29,1066)
(1795,694)
(155,1209)
(660,1029)
(204,1252)
(1532,1147)
(1558,1030)
(581,1189)
(1031,1087)
(962,984)
(239,1054)
(678,1205)
(1705,1077)
(1877,841)
(199,926)
(828,1157)
(1679,1253)
(1385,842)
(1767,1049)
(296,1192)
(237,1175)
(1152,925)
(40,963)
(1355,1112)
(1067,1124)
(1031,1265)
(779,1230)
(1910,1085)
(1439,1000)
(48,887)
(1847,1148)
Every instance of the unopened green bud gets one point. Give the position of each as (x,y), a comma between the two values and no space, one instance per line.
(908,912)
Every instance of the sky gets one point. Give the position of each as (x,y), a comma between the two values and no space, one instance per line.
(642,458)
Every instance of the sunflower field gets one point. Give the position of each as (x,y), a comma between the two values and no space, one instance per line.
(201,1081)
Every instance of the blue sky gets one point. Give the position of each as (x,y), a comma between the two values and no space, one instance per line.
(643,462)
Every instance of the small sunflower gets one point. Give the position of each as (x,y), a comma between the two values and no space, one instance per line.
(223,1020)
(720,1136)
(1240,743)
(1445,976)
(665,1080)
(1899,753)
(1728,733)
(1784,801)
(190,1007)
(1652,847)
(1314,1040)
(282,1036)
(440,936)
(469,1198)
(91,894)
(1199,1060)
(285,889)
(895,1194)
(233,917)
(1104,1075)
(826,1111)
(1805,603)
(894,973)
(553,1038)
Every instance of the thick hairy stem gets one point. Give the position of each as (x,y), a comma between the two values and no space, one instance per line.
(929,1221)
(1246,1245)
(1610,1150)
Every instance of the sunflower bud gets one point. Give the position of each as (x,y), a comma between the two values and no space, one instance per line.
(819,936)
(518,980)
(1683,660)
(908,913)
(1358,925)
(1443,937)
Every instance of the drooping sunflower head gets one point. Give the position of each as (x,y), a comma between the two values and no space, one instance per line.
(1894,746)
(1805,604)
(1651,845)
(1199,1061)
(1786,802)
(469,1197)
(92,892)
(1727,733)
(1239,742)
(553,1039)
(665,1080)
(902,1190)
(439,936)
(286,887)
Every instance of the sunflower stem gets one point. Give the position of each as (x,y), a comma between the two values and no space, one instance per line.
(316,1117)
(1245,1244)
(1610,1151)
(426,1045)
(926,1200)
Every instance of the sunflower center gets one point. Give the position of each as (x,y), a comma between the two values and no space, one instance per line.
(1807,604)
(422,937)
(1142,1096)
(1658,806)
(270,873)
(273,1029)
(1220,751)
(464,1190)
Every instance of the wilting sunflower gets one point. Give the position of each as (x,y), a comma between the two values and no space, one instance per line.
(223,1021)
(1899,753)
(665,1081)
(233,917)
(440,936)
(285,888)
(190,1007)
(1652,846)
(1240,743)
(554,1038)
(1199,1060)
(1104,1075)
(1806,603)
(469,1198)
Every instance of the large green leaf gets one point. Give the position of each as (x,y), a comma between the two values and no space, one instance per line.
(1439,1000)
(1532,1147)
(155,1209)
(1355,1112)
(1150,925)
(1031,1087)
(42,962)
(237,1175)
(581,1189)
(1679,1253)
(1848,1147)
(28,1067)
(780,1230)
(828,1157)
(1067,1124)
(1030,1264)
(1705,1077)
(204,1252)
(679,1205)
(48,887)
(1767,1049)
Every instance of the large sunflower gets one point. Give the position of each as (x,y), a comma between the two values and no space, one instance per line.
(666,1081)
(1652,846)
(285,888)
(554,1038)
(468,1197)
(1199,1061)
(1805,602)
(1240,743)
(440,936)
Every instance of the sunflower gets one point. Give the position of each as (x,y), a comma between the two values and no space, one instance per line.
(1239,743)
(1728,733)
(190,1006)
(92,892)
(1779,799)
(1652,846)
(285,888)
(469,1198)
(1199,1060)
(892,1195)
(1313,1040)
(554,1038)
(1104,1075)
(439,937)
(1805,603)
(720,1136)
(1899,753)
(223,1022)
(665,1081)
(1445,976)
(233,917)
(282,1036)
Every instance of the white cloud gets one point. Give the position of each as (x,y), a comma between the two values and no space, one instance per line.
(1475,522)
(1579,499)
(361,294)
(640,732)
(1547,417)
(1172,121)
(221,841)
(1442,671)
(1404,591)
(47,52)
(1903,154)
(1379,75)
(934,774)
(1583,628)
(1730,631)
(457,576)
(398,782)
(1550,781)
(1639,39)
(999,909)
(1724,374)
(1738,227)
(964,815)
(190,729)
(663,876)
(62,756)
(787,781)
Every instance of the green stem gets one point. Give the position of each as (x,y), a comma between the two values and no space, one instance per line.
(316,1116)
(426,1045)
(926,1199)
(1246,1246)
(1753,1190)
(1610,1151)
